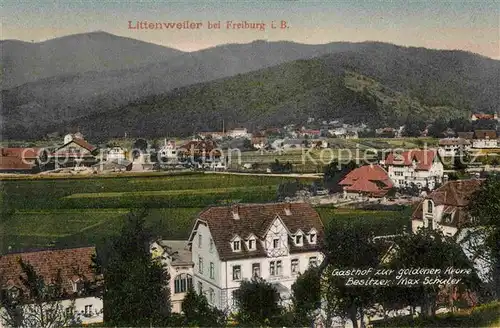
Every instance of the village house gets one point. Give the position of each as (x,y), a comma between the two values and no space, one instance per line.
(168,153)
(74,152)
(446,207)
(177,259)
(366,181)
(423,168)
(77,278)
(115,153)
(21,160)
(204,149)
(482,116)
(259,141)
(485,139)
(466,135)
(239,133)
(309,133)
(451,147)
(275,241)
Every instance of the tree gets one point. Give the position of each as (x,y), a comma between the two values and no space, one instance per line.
(428,249)
(198,313)
(139,147)
(288,189)
(258,303)
(437,129)
(306,297)
(335,172)
(484,208)
(37,304)
(136,289)
(348,246)
(460,161)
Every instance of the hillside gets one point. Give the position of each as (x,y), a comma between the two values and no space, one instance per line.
(353,85)
(25,62)
(64,98)
(369,82)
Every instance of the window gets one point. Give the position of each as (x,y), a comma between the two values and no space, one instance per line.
(398,174)
(429,206)
(182,283)
(14,293)
(211,245)
(200,264)
(312,238)
(211,296)
(251,244)
(236,272)
(77,286)
(234,294)
(313,261)
(212,270)
(69,311)
(295,266)
(200,239)
(256,269)
(236,245)
(275,268)
(200,288)
(298,240)
(276,243)
(88,309)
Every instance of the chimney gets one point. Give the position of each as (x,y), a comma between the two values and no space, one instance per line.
(236,211)
(288,209)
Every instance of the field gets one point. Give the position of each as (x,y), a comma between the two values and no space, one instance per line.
(80,211)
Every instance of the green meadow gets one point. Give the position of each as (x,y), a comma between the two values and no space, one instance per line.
(39,213)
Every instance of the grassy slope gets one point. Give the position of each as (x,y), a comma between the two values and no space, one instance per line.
(36,213)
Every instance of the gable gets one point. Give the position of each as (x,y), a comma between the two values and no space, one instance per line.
(276,227)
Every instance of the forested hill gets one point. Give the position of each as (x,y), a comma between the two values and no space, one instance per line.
(379,84)
(383,85)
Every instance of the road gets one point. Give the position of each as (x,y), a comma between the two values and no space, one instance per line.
(289,175)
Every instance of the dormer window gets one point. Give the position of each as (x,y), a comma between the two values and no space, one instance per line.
(14,293)
(430,207)
(312,236)
(77,285)
(251,244)
(236,245)
(299,239)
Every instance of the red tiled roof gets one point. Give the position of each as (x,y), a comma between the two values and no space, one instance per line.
(466,135)
(454,196)
(14,163)
(256,219)
(311,131)
(423,159)
(484,116)
(71,262)
(30,153)
(199,146)
(369,179)
(485,134)
(82,143)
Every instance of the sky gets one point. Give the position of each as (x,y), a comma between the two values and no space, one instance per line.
(466,25)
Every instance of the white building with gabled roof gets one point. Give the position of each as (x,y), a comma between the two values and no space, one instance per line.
(275,241)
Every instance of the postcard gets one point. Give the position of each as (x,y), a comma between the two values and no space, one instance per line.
(268,163)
